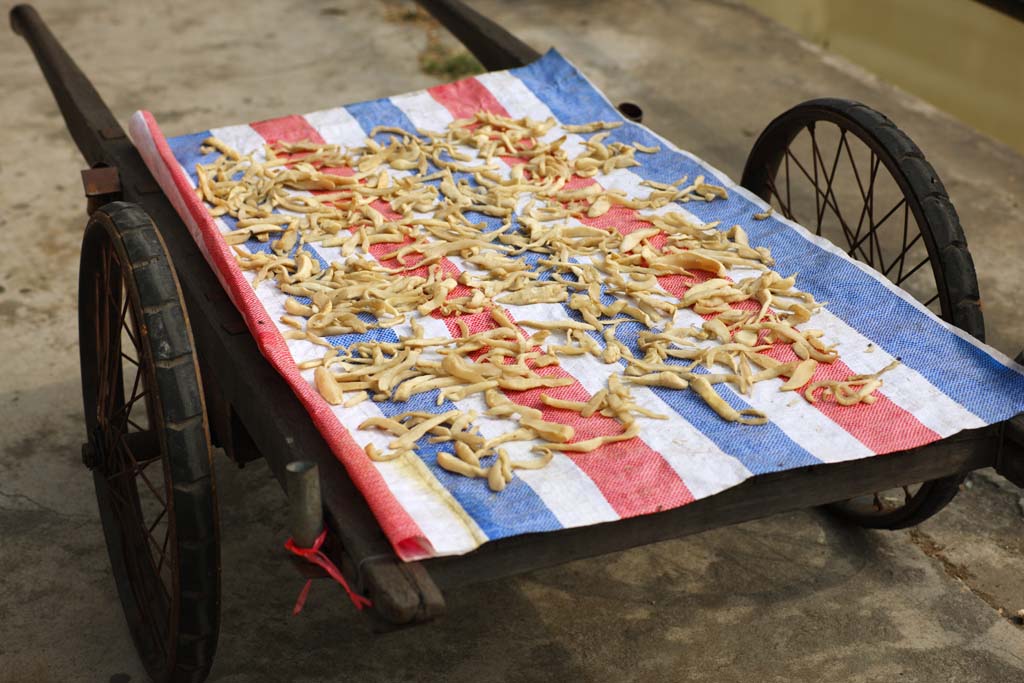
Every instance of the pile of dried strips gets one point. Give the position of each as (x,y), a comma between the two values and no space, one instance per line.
(399,211)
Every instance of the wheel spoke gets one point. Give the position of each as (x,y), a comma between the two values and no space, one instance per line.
(163,552)
(872,232)
(142,474)
(902,257)
(789,200)
(135,469)
(157,520)
(782,205)
(134,395)
(161,548)
(867,196)
(835,209)
(153,489)
(913,270)
(853,164)
(876,245)
(115,434)
(127,325)
(830,178)
(819,210)
(906,228)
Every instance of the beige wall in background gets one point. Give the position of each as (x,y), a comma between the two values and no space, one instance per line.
(959,55)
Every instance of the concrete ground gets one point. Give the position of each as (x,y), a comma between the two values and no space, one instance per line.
(792,598)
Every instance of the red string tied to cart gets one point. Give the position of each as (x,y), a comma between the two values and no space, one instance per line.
(314,555)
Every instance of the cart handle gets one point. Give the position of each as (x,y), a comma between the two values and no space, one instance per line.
(496,48)
(89,120)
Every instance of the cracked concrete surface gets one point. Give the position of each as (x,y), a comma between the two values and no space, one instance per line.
(792,598)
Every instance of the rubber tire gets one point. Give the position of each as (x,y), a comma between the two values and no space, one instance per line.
(952,265)
(152,287)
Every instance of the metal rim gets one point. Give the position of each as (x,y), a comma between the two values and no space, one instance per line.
(130,464)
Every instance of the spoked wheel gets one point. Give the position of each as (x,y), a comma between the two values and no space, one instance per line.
(845,172)
(148,444)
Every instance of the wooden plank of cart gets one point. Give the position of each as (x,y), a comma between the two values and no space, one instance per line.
(148,297)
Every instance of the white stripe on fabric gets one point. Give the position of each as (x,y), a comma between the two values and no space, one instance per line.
(443,521)
(243,139)
(675,439)
(337,127)
(573,497)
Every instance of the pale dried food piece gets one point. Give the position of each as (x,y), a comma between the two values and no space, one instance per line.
(375,455)
(592,444)
(661,379)
(702,387)
(851,391)
(801,375)
(590,127)
(535,464)
(495,478)
(327,386)
(454,465)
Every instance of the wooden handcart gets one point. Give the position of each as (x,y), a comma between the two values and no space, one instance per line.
(154,320)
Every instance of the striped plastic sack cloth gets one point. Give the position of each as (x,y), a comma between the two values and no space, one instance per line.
(947,381)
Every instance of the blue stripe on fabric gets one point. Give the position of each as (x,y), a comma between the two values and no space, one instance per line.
(380,113)
(980,383)
(185,149)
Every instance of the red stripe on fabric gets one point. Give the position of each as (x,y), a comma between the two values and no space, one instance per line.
(463,99)
(406,537)
(292,128)
(633,478)
(466,97)
(881,426)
